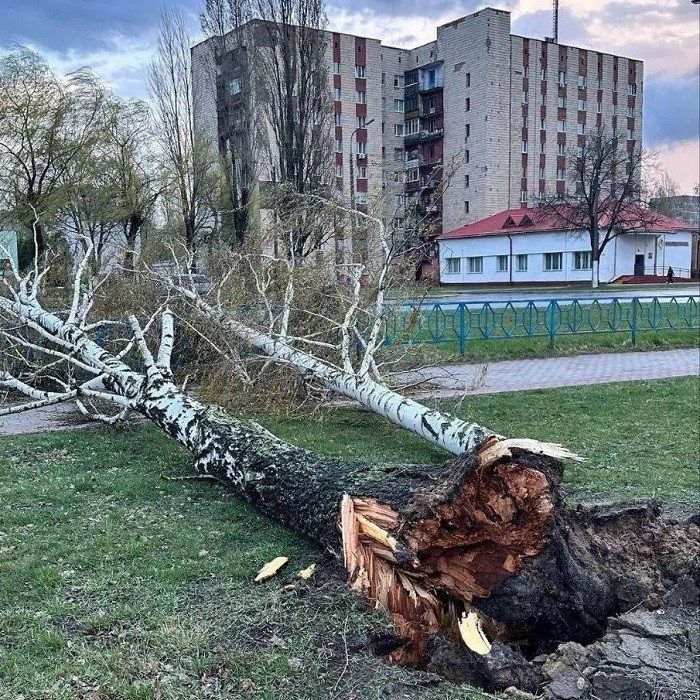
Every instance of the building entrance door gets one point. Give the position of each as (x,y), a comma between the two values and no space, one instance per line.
(638,265)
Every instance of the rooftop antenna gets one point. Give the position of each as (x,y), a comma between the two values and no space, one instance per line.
(555,20)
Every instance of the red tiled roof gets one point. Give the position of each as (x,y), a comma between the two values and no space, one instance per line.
(517,221)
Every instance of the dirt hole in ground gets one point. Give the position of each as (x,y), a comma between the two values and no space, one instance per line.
(647,646)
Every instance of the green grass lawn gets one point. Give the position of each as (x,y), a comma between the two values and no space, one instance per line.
(117,584)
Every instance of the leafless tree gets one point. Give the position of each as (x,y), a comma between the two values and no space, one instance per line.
(187,158)
(48,127)
(225,21)
(605,196)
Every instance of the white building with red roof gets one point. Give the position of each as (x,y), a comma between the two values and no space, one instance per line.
(523,246)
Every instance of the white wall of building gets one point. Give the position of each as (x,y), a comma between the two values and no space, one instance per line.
(672,249)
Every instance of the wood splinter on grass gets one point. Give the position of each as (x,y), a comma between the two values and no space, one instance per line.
(308,572)
(270,569)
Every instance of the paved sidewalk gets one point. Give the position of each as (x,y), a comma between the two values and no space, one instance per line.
(458,380)
(520,375)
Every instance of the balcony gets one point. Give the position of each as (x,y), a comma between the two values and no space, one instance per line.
(423,136)
(427,85)
(415,161)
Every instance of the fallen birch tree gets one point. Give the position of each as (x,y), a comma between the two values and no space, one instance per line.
(430,545)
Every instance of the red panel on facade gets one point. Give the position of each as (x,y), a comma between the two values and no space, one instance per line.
(523,183)
(338,158)
(543,160)
(336,48)
(526,84)
(525,108)
(336,81)
(614,98)
(361,110)
(600,95)
(523,160)
(581,140)
(543,87)
(338,132)
(360,51)
(339,183)
(581,117)
(561,162)
(361,84)
(630,123)
(542,186)
(560,187)
(561,138)
(337,107)
(524,134)
(361,184)
(630,100)
(582,62)
(614,123)
(599,120)
(561,92)
(361,134)
(543,112)
(561,113)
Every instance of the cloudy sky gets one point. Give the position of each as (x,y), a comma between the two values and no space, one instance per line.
(116,38)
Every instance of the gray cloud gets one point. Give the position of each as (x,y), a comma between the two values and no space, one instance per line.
(671,110)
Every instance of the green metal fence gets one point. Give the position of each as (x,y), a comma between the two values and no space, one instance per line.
(445,322)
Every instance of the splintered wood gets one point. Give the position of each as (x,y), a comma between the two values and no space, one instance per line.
(426,573)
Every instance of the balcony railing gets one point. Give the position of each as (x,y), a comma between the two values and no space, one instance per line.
(423,135)
(427,85)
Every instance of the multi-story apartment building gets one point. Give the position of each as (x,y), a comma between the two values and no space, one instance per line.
(478,121)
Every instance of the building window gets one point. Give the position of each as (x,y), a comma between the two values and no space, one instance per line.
(552,262)
(466,180)
(630,134)
(235,85)
(400,200)
(466,207)
(526,72)
(361,122)
(338,118)
(543,146)
(339,145)
(582,81)
(561,149)
(399,155)
(543,74)
(544,98)
(361,97)
(633,89)
(362,172)
(561,126)
(400,176)
(541,173)
(525,122)
(412,127)
(398,105)
(452,266)
(362,148)
(526,97)
(398,81)
(336,67)
(468,104)
(560,174)
(397,222)
(599,83)
(522,263)
(467,131)
(475,265)
(383,78)
(581,129)
(582,260)
(502,263)
(339,171)
(466,156)
(630,112)
(562,78)
(523,195)
(359,71)
(469,79)
(582,105)
(524,147)
(412,175)
(561,102)
(336,94)
(398,129)
(543,124)
(361,198)
(599,108)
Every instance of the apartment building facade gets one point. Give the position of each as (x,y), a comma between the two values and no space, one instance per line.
(476,122)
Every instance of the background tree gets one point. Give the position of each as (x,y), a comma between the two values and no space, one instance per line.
(224,21)
(605,195)
(48,127)
(297,100)
(187,158)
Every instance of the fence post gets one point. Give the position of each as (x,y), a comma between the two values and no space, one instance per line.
(462,330)
(553,323)
(634,320)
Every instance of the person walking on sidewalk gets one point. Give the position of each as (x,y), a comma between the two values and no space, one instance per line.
(669,275)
